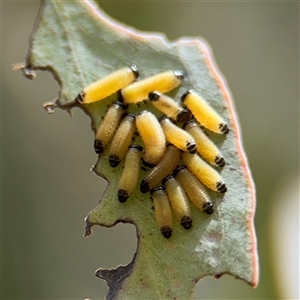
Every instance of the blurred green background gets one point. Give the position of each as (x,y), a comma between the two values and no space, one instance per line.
(47,188)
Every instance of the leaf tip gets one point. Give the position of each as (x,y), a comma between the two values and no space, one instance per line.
(26,72)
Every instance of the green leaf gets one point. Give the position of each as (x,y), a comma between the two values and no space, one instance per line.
(79,44)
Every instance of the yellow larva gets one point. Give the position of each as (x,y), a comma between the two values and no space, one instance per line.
(204,172)
(179,201)
(129,177)
(163,213)
(152,135)
(169,107)
(194,189)
(162,82)
(205,147)
(122,140)
(204,113)
(165,167)
(108,127)
(177,136)
(108,85)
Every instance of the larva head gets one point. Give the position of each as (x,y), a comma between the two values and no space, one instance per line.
(179,75)
(80,97)
(158,188)
(191,147)
(186,222)
(221,187)
(166,231)
(208,207)
(182,98)
(147,164)
(183,116)
(144,186)
(178,169)
(154,96)
(135,146)
(123,196)
(166,179)
(114,160)
(219,160)
(135,71)
(223,128)
(98,146)
(190,123)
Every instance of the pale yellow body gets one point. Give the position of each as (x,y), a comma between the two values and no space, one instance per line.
(108,85)
(177,136)
(123,137)
(152,135)
(139,91)
(202,112)
(165,167)
(167,106)
(193,187)
(205,147)
(130,174)
(109,124)
(204,172)
(163,213)
(178,199)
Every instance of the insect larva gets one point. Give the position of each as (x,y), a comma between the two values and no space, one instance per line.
(122,140)
(169,107)
(108,126)
(205,147)
(204,172)
(152,135)
(129,177)
(177,136)
(108,85)
(163,212)
(204,113)
(179,201)
(165,167)
(194,189)
(162,82)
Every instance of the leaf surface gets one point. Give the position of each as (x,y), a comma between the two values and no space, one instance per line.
(79,44)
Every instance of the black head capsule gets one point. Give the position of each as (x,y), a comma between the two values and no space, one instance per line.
(223,128)
(166,232)
(123,196)
(179,74)
(208,207)
(221,187)
(220,161)
(114,160)
(183,116)
(144,186)
(186,222)
(135,71)
(98,146)
(182,98)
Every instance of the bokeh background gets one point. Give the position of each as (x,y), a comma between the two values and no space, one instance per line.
(47,188)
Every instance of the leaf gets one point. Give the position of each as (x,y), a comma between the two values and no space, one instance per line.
(79,44)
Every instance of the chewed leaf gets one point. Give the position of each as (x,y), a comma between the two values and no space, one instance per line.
(79,44)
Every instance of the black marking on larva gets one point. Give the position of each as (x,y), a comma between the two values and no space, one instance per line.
(166,179)
(186,222)
(98,146)
(182,98)
(221,187)
(178,169)
(219,161)
(208,207)
(223,128)
(166,231)
(153,96)
(123,196)
(146,164)
(158,188)
(139,147)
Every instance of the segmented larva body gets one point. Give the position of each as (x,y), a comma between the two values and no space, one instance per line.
(177,136)
(169,107)
(163,213)
(205,147)
(108,127)
(179,201)
(204,172)
(152,135)
(194,189)
(129,177)
(122,140)
(165,167)
(204,113)
(162,82)
(108,85)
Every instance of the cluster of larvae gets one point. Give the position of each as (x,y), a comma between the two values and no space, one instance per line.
(164,143)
